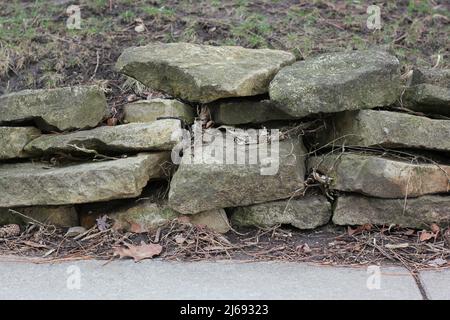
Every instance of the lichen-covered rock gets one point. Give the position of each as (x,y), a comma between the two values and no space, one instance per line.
(381,177)
(374,128)
(429,91)
(414,213)
(211,184)
(14,139)
(437,77)
(151,110)
(246,111)
(215,220)
(203,73)
(142,216)
(59,109)
(336,82)
(308,212)
(29,184)
(161,135)
(60,216)
(146,216)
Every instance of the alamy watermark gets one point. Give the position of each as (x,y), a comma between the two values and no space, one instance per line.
(373,281)
(232,147)
(374,19)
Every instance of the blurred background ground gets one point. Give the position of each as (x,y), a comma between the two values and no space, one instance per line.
(37,50)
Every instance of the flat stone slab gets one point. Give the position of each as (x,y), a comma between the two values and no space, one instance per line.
(246,111)
(428,98)
(213,183)
(413,213)
(60,109)
(61,216)
(375,128)
(203,73)
(146,215)
(436,284)
(161,135)
(308,212)
(201,280)
(335,82)
(14,139)
(29,184)
(437,77)
(151,110)
(381,177)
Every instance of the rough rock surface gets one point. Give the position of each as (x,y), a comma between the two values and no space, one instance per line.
(215,219)
(60,109)
(381,177)
(371,128)
(428,98)
(437,77)
(151,110)
(417,213)
(60,216)
(429,91)
(134,137)
(14,139)
(336,82)
(203,73)
(28,184)
(246,111)
(211,184)
(308,212)
(142,216)
(146,215)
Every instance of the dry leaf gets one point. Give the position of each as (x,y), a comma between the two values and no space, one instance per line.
(438,262)
(304,248)
(111,122)
(138,253)
(425,236)
(435,228)
(359,229)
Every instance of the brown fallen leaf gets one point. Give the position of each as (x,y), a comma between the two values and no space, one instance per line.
(359,229)
(435,228)
(303,248)
(140,252)
(425,236)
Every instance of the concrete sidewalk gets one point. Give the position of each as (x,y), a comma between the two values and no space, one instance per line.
(211,280)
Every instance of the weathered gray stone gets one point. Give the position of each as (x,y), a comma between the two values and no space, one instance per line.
(336,82)
(215,220)
(151,110)
(414,213)
(308,212)
(246,111)
(372,128)
(29,184)
(55,109)
(212,183)
(203,73)
(61,216)
(14,139)
(133,137)
(437,77)
(428,98)
(381,177)
(145,216)
(429,91)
